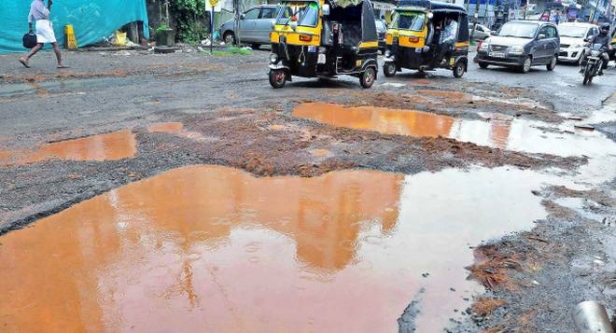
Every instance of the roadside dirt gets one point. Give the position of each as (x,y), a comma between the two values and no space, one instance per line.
(543,273)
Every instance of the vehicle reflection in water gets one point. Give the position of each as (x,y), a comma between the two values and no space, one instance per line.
(204,249)
(497,130)
(103,147)
(214,249)
(404,122)
(176,129)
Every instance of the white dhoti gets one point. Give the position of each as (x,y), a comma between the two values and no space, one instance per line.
(44,32)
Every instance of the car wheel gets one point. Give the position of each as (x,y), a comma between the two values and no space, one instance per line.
(389,69)
(368,77)
(459,69)
(229,38)
(526,65)
(255,46)
(277,78)
(482,65)
(552,64)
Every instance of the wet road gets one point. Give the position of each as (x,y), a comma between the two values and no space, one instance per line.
(51,103)
(205,246)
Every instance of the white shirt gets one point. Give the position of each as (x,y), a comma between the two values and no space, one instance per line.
(450,32)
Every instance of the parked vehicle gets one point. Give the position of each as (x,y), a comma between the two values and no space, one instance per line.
(255,26)
(323,39)
(572,35)
(521,44)
(594,63)
(413,38)
(481,32)
(381,30)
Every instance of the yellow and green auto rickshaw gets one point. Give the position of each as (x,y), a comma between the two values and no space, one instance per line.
(416,38)
(324,38)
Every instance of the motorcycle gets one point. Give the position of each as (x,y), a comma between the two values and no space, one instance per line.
(594,63)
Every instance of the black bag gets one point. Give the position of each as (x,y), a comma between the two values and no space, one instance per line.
(29,40)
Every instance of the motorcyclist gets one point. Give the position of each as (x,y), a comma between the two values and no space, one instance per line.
(604,39)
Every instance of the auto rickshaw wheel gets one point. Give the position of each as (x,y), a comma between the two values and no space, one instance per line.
(277,78)
(483,65)
(389,69)
(459,68)
(368,77)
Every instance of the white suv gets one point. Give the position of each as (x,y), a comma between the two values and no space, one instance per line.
(572,36)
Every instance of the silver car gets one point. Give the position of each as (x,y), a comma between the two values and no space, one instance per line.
(481,32)
(254,28)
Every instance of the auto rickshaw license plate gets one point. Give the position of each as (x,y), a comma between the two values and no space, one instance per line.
(497,54)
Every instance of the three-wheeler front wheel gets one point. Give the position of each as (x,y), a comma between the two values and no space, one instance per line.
(277,78)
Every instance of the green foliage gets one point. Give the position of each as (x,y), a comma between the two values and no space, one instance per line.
(192,20)
(162,27)
(195,7)
(233,50)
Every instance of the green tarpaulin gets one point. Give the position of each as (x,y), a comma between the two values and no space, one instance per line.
(92,20)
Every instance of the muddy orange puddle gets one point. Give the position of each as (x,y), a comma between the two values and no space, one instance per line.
(110,146)
(212,249)
(176,129)
(405,122)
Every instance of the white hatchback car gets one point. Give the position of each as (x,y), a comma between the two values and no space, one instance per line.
(572,35)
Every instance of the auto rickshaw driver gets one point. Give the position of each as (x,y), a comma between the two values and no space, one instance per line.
(447,39)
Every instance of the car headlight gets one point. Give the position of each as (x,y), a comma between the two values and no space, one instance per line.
(484,46)
(576,46)
(273,58)
(516,49)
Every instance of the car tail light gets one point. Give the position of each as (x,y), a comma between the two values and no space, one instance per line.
(413,39)
(305,38)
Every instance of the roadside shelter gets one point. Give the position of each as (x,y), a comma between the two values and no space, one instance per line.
(92,20)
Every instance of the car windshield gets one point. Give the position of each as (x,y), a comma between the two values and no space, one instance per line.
(519,30)
(304,13)
(571,31)
(407,20)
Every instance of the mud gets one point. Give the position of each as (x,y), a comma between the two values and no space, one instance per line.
(263,143)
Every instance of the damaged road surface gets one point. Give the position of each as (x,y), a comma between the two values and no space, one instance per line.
(179,192)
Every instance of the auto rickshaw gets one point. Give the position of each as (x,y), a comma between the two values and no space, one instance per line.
(413,38)
(324,38)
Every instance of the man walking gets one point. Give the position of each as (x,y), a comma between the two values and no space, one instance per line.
(44,31)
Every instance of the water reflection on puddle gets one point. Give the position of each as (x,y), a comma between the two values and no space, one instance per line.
(213,249)
(498,131)
(110,146)
(177,129)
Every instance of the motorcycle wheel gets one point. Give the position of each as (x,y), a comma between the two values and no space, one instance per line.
(277,78)
(552,64)
(586,75)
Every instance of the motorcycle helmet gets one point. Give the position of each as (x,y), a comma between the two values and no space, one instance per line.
(605,27)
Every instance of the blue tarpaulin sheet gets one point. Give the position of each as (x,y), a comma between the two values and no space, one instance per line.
(92,20)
